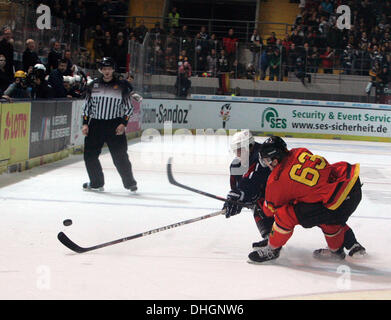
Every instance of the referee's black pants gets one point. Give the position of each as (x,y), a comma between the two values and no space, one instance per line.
(99,132)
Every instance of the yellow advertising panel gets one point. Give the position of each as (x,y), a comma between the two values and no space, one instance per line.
(14,132)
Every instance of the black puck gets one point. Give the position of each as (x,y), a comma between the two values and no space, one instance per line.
(67,222)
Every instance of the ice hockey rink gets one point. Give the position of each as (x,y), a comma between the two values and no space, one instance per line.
(201,260)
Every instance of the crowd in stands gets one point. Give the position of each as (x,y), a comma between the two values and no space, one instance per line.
(314,43)
(362,49)
(31,79)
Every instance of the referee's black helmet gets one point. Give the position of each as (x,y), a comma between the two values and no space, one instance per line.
(106,62)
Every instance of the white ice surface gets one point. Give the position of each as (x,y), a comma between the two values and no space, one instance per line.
(202,260)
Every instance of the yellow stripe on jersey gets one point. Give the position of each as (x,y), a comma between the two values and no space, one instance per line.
(280,230)
(328,235)
(347,189)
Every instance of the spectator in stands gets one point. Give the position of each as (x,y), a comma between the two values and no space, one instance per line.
(347,59)
(157,58)
(41,88)
(255,47)
(222,63)
(5,80)
(287,42)
(328,60)
(140,31)
(173,18)
(293,54)
(251,72)
(68,58)
(105,20)
(334,37)
(296,38)
(56,79)
(311,37)
(272,39)
(183,83)
(54,56)
(156,31)
(30,57)
(120,54)
(7,49)
(323,26)
(376,56)
(173,42)
(107,45)
(238,71)
(384,75)
(203,34)
(301,73)
(230,45)
(275,63)
(184,32)
(69,88)
(314,60)
(362,60)
(212,62)
(264,62)
(170,62)
(214,43)
(18,89)
(327,7)
(200,63)
(375,79)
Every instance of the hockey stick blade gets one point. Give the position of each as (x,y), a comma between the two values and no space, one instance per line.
(63,238)
(172,180)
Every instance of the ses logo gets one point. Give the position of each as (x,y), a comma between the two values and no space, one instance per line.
(270,116)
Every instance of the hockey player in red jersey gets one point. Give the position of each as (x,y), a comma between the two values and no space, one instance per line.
(304,189)
(248,182)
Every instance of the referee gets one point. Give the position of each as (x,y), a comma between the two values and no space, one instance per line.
(105,115)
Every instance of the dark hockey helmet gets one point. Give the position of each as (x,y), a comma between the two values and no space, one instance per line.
(273,148)
(106,62)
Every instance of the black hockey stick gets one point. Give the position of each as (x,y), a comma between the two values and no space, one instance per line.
(74,247)
(213,196)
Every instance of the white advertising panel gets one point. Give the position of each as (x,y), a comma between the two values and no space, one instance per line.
(262,117)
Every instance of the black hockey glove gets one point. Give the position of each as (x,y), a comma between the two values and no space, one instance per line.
(232,208)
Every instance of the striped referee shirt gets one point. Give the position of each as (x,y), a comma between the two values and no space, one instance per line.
(108,100)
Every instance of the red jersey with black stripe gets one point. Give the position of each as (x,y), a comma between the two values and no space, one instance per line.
(305,177)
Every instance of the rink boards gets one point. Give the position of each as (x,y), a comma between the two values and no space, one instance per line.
(37,132)
(294,118)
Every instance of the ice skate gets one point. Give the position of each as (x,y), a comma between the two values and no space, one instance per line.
(357,251)
(87,187)
(264,254)
(133,187)
(260,244)
(327,254)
